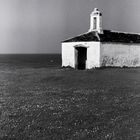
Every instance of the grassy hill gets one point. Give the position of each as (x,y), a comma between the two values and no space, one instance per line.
(65,104)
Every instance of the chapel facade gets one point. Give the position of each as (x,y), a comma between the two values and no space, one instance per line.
(101,48)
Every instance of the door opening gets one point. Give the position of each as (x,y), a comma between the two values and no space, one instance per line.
(81,58)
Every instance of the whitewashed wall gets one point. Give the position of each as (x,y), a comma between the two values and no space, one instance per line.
(93,55)
(113,54)
(69,54)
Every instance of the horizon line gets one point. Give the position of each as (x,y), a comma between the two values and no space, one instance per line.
(29,53)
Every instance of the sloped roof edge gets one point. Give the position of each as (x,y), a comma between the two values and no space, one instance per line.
(88,36)
(107,36)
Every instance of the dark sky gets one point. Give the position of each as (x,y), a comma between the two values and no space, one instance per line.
(38,26)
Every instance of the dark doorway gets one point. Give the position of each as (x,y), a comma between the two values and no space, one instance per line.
(81,57)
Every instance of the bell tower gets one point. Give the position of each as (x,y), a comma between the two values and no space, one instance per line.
(96,21)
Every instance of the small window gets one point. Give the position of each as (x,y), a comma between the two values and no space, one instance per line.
(95,23)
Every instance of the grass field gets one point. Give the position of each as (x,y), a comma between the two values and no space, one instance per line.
(41,103)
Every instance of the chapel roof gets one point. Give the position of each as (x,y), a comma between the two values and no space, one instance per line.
(106,36)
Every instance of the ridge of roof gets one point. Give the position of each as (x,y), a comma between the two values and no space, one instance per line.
(106,36)
(115,31)
(119,37)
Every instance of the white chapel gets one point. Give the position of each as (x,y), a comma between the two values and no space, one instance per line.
(101,48)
